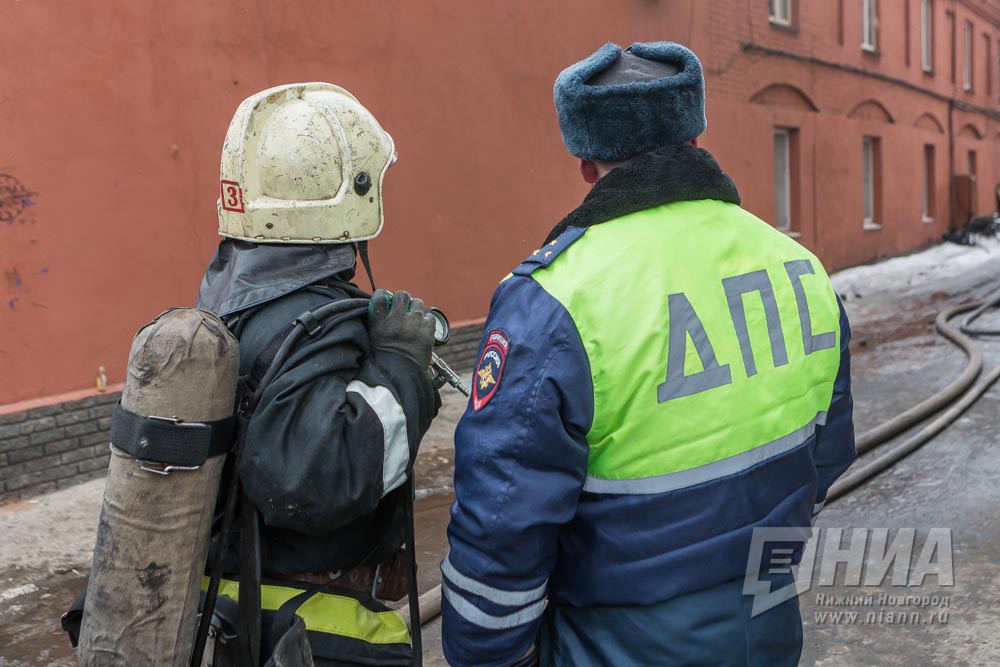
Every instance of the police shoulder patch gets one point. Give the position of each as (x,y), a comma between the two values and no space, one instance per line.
(489,369)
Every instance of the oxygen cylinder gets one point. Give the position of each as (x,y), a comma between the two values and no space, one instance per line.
(153,534)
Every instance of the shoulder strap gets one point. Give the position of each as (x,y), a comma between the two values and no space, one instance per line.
(248,614)
(548,253)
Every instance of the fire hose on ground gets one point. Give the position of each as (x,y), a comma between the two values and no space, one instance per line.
(960,394)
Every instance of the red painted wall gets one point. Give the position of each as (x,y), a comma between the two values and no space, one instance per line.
(112,117)
(113,114)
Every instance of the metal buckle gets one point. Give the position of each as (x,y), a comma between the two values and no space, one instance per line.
(162,468)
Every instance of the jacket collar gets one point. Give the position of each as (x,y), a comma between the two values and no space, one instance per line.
(243,275)
(664,176)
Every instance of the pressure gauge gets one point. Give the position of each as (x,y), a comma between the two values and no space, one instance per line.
(442,329)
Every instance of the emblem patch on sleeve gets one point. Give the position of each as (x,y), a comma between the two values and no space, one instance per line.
(489,370)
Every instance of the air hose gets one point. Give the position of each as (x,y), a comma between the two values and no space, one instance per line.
(992,302)
(884,432)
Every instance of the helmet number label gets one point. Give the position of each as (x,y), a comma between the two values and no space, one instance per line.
(232,196)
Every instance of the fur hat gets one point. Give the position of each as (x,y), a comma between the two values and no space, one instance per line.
(615,105)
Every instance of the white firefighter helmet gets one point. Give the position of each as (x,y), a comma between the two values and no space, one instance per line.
(303,163)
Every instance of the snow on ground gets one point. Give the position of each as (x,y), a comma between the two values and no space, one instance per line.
(935,269)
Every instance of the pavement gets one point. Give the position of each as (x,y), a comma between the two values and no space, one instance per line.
(898,360)
(950,483)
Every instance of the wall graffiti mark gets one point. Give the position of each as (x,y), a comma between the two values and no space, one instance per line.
(14,198)
(13,278)
(20,286)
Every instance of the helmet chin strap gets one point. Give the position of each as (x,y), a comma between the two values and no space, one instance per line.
(362,249)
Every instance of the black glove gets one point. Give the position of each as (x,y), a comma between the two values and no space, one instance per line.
(397,323)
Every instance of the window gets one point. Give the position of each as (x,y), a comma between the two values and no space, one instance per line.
(967,65)
(871,167)
(927,35)
(869,25)
(781,12)
(783,179)
(928,199)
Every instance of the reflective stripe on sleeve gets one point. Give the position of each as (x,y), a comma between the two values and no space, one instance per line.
(498,596)
(396,444)
(476,616)
(708,472)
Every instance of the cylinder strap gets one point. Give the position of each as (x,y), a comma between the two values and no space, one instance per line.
(170,440)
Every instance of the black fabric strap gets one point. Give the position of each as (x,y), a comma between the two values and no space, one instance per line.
(366,262)
(416,640)
(248,614)
(168,440)
(285,615)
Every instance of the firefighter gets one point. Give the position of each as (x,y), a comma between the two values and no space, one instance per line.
(329,447)
(666,373)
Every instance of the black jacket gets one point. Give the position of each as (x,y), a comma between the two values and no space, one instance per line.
(327,445)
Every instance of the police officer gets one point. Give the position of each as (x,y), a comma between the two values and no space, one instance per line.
(666,373)
(328,449)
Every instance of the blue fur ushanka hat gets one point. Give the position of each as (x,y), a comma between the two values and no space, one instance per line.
(615,105)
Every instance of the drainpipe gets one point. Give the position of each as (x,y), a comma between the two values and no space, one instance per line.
(951,166)
(951,123)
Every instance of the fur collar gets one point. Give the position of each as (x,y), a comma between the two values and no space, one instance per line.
(664,176)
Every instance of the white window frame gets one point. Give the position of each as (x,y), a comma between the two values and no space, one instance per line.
(927,35)
(781,12)
(967,62)
(929,158)
(868,183)
(783,181)
(869,25)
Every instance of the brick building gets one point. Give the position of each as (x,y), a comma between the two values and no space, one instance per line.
(845,121)
(842,121)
